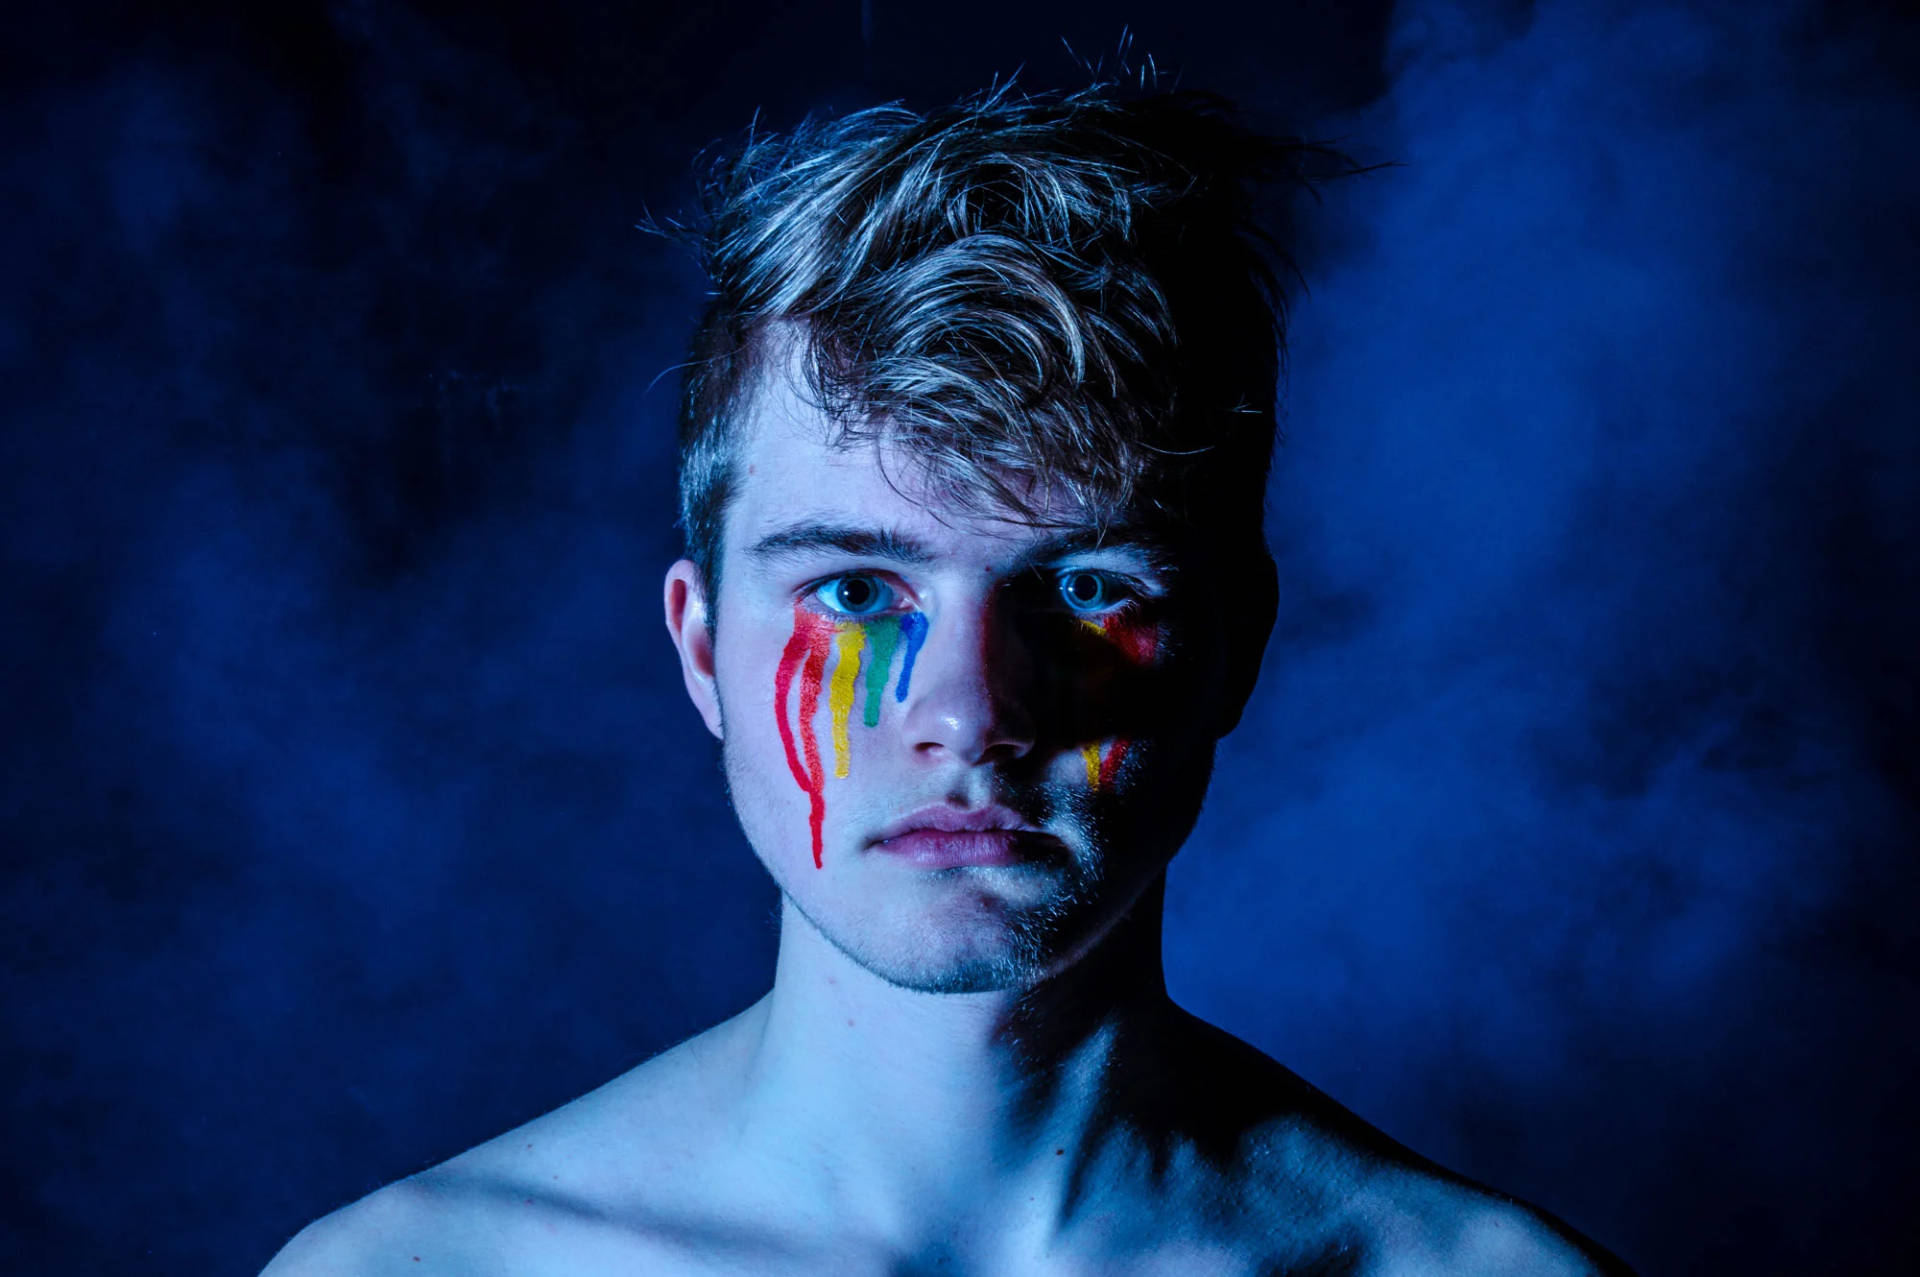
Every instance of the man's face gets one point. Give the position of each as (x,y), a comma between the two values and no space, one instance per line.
(962,745)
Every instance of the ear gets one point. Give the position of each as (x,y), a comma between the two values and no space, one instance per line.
(1246,639)
(690,622)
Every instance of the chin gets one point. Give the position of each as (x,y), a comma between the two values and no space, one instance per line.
(976,971)
(978,943)
(976,975)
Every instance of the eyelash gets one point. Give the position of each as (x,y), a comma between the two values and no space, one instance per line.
(818,587)
(1128,592)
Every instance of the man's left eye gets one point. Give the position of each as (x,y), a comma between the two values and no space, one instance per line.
(1083,590)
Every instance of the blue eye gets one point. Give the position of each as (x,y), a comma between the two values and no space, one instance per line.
(857,595)
(1084,591)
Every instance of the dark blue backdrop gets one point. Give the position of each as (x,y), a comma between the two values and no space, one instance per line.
(353,810)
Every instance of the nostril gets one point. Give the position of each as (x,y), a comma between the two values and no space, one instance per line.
(965,699)
(976,731)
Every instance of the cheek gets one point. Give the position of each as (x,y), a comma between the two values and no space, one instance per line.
(1136,641)
(863,683)
(796,701)
(1101,759)
(845,664)
(762,680)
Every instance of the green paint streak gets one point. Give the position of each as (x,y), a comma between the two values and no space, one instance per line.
(882,636)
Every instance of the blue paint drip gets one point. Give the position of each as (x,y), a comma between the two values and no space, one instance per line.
(913,627)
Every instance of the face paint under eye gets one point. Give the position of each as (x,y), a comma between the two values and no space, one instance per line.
(913,628)
(1140,644)
(848,640)
(805,655)
(883,637)
(1137,640)
(851,641)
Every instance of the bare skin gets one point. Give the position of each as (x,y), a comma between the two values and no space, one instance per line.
(961,1069)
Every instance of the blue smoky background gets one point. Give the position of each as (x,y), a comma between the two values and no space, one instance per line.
(353,810)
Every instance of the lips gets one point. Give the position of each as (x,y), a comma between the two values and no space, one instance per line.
(950,837)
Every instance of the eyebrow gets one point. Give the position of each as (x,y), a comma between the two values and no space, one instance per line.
(798,540)
(1120,538)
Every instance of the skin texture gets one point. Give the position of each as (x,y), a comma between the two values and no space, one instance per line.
(957,1070)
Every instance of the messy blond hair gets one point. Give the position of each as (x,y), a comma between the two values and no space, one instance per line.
(1067,295)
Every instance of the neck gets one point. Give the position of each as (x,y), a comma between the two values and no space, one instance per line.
(924,1109)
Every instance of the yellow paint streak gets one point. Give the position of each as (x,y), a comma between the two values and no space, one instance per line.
(847,647)
(1090,753)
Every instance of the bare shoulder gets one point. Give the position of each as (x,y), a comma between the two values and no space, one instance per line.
(1350,1207)
(409,1227)
(1419,1223)
(1384,1211)
(1328,1187)
(585,1187)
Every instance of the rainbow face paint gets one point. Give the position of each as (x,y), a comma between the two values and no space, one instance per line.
(1139,644)
(805,655)
(913,628)
(861,652)
(883,638)
(848,642)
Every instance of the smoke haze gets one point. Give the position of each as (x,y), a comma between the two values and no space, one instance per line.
(355,808)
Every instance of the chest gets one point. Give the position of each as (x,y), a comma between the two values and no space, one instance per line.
(1141,1242)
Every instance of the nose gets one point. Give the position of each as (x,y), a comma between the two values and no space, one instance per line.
(968,699)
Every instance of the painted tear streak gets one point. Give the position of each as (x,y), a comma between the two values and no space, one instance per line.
(791,659)
(815,639)
(846,657)
(1139,644)
(806,655)
(913,626)
(884,636)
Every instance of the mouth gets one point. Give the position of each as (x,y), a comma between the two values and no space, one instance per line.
(951,837)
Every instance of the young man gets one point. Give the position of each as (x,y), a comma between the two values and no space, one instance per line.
(974,448)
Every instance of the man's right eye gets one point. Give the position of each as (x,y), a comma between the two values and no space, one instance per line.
(856,595)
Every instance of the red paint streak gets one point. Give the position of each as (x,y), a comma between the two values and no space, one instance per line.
(1138,643)
(790,659)
(805,654)
(810,678)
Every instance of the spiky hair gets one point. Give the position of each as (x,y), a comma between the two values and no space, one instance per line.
(1062,295)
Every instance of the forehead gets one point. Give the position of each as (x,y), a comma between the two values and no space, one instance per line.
(788,471)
